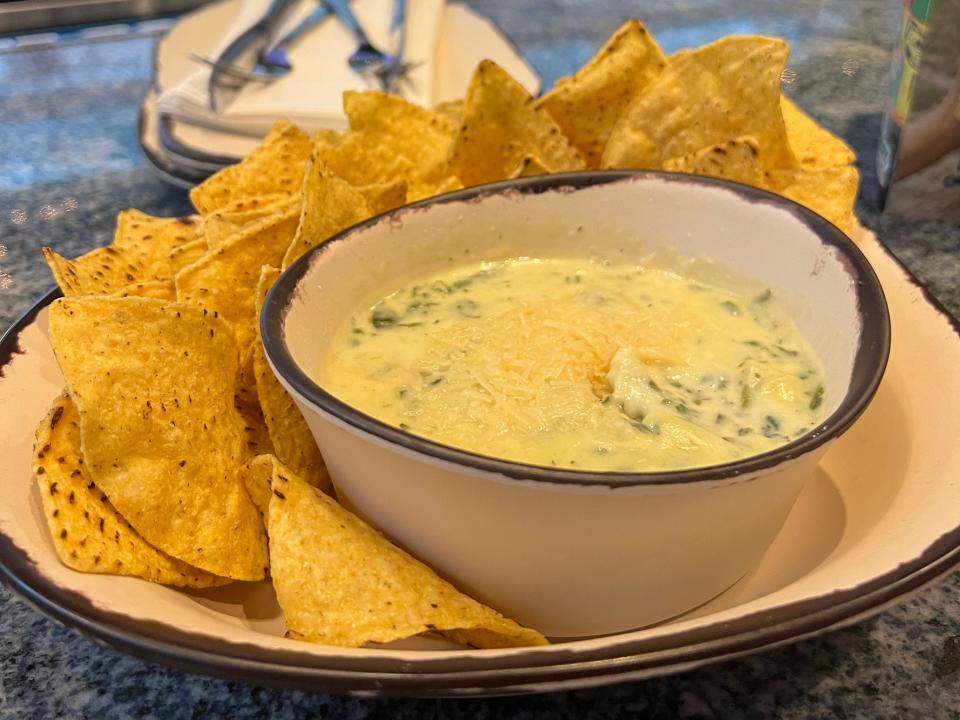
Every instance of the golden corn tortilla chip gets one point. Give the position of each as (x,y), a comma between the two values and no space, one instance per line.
(289,433)
(222,224)
(187,254)
(830,192)
(421,136)
(452,109)
(420,190)
(256,436)
(330,204)
(274,167)
(257,474)
(813,146)
(500,126)
(103,271)
(88,532)
(528,166)
(340,582)
(384,196)
(729,88)
(587,106)
(225,279)
(151,240)
(366,158)
(140,253)
(737,159)
(153,382)
(160,289)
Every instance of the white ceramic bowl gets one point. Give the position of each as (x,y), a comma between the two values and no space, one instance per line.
(575,553)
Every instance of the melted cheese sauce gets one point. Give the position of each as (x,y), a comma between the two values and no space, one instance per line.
(583,365)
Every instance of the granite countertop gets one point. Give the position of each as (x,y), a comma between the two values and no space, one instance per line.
(69,160)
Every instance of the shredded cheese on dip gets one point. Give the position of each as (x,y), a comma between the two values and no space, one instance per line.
(577,364)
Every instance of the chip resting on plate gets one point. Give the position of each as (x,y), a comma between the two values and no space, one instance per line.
(737,159)
(225,278)
(830,192)
(153,382)
(276,166)
(160,289)
(341,582)
(501,125)
(140,253)
(289,433)
(529,166)
(257,474)
(813,146)
(587,105)
(365,157)
(222,224)
(727,89)
(330,204)
(187,253)
(421,136)
(87,531)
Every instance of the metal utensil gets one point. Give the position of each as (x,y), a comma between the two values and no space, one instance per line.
(275,59)
(236,64)
(367,59)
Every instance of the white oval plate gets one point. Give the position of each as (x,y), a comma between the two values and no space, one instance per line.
(878,521)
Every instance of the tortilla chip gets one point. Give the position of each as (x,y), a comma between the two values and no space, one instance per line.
(224,223)
(88,532)
(153,382)
(366,158)
(151,240)
(330,204)
(159,289)
(500,126)
(225,279)
(256,437)
(140,253)
(274,167)
(587,106)
(289,433)
(830,192)
(103,271)
(187,254)
(737,160)
(528,166)
(418,190)
(813,146)
(727,89)
(257,474)
(421,136)
(340,582)
(384,196)
(452,109)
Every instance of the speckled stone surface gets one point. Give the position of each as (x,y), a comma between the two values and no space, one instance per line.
(69,160)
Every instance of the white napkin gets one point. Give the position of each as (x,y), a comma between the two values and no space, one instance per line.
(311,95)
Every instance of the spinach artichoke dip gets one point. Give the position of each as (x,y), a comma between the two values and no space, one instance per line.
(580,364)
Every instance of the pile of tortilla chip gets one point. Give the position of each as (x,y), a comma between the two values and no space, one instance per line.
(176,456)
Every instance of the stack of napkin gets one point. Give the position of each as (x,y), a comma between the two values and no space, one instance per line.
(186,141)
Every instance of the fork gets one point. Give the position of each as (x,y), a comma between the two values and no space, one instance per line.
(368,59)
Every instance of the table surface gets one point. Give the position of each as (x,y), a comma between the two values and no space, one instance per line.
(69,161)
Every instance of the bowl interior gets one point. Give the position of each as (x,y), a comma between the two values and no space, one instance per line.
(730,235)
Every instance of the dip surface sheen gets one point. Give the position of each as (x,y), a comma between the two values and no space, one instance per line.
(580,364)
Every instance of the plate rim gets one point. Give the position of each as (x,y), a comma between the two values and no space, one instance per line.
(440,677)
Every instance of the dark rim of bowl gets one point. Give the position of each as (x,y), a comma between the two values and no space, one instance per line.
(869,362)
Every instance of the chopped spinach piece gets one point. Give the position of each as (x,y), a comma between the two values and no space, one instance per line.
(731,307)
(383,317)
(468,309)
(771,426)
(817,399)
